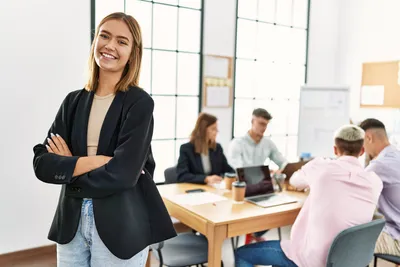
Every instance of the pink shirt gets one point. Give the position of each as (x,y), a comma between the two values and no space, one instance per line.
(342,195)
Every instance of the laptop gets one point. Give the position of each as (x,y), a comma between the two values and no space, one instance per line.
(293,167)
(260,188)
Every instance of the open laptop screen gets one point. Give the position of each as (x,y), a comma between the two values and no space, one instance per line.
(258,180)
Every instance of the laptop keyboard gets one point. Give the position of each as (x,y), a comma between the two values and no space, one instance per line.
(261,198)
(273,200)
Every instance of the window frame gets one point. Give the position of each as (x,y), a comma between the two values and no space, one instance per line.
(253,98)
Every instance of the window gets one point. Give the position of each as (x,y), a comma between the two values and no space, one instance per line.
(172,32)
(270,67)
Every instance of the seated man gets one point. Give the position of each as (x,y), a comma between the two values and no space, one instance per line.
(342,195)
(255,149)
(386,164)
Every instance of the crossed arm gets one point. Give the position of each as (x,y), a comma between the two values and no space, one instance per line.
(98,176)
(57,145)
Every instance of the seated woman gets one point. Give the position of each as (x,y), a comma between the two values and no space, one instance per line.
(202,160)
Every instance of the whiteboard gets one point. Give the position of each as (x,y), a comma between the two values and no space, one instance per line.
(322,111)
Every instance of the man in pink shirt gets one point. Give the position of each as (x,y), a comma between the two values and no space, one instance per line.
(342,195)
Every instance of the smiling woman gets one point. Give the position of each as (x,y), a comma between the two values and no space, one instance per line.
(117,47)
(98,149)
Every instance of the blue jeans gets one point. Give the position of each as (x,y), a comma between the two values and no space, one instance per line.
(86,248)
(262,253)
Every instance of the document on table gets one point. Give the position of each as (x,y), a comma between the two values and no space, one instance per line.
(193,199)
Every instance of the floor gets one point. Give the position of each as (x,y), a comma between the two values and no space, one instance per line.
(49,260)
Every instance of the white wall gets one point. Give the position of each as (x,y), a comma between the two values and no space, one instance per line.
(323,42)
(44,46)
(369,31)
(343,35)
(219,39)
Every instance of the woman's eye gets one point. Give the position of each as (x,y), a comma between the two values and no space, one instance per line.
(103,36)
(123,42)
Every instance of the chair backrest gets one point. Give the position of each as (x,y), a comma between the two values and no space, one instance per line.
(355,246)
(170,175)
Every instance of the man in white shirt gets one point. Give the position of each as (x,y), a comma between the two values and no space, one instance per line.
(385,163)
(254,148)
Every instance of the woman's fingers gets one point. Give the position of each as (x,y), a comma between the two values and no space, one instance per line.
(49,149)
(64,145)
(53,146)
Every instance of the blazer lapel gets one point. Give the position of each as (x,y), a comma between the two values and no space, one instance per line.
(79,138)
(110,123)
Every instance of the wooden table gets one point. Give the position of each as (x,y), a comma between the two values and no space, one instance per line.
(225,219)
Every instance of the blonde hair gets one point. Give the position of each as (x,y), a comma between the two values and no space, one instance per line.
(130,75)
(349,140)
(199,134)
(350,133)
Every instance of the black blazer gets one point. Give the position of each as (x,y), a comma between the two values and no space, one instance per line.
(190,168)
(129,212)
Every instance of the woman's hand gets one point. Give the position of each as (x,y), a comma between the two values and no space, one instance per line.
(58,146)
(213,179)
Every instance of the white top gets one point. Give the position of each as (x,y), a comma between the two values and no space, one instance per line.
(386,166)
(205,160)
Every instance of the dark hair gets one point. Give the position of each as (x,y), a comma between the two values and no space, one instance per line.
(260,112)
(372,124)
(199,134)
(349,148)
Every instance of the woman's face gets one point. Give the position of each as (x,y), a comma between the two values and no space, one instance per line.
(113,46)
(212,132)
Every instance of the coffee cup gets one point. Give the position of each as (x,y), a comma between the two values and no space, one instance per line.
(229,178)
(238,191)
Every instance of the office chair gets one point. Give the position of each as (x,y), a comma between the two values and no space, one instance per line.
(386,257)
(355,246)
